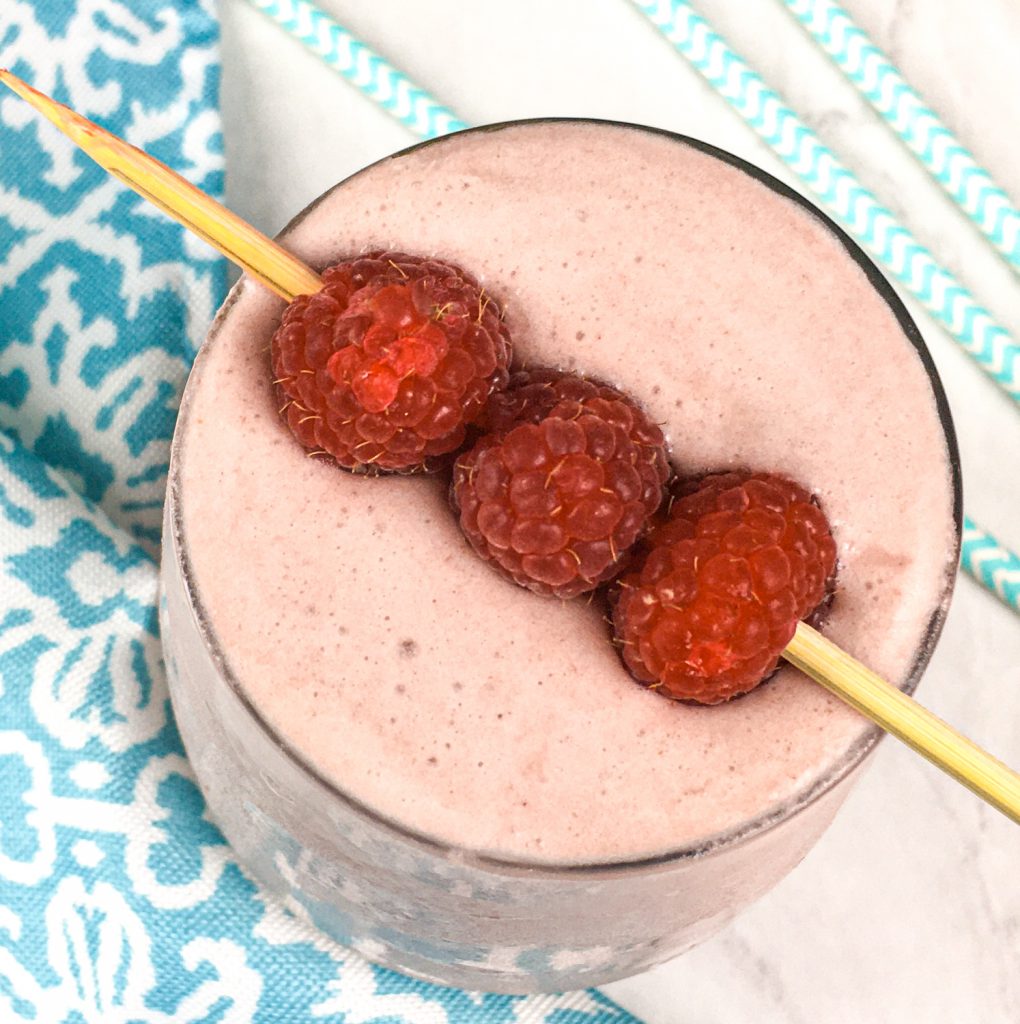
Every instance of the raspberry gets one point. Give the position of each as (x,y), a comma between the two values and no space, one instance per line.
(387,365)
(717,590)
(565,484)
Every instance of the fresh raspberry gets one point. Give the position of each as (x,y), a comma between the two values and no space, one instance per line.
(565,484)
(387,365)
(717,590)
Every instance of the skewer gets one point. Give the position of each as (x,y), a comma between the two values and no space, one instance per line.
(259,256)
(906,719)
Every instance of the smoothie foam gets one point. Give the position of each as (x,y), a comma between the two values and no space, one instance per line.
(386,655)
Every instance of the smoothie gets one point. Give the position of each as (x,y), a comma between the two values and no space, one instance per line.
(390,665)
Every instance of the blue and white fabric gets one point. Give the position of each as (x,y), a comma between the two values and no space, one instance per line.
(119,901)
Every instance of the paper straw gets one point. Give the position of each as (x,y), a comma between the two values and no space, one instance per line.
(934,145)
(991,564)
(379,80)
(987,561)
(855,207)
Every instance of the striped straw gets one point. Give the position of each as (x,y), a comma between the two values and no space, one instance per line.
(938,150)
(860,212)
(991,564)
(311,26)
(379,80)
(987,561)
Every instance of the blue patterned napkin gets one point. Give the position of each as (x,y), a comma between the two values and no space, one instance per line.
(119,901)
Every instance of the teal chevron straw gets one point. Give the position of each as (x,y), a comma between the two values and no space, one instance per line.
(948,162)
(988,562)
(989,344)
(991,564)
(985,559)
(379,80)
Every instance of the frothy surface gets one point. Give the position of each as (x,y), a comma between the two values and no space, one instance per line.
(372,640)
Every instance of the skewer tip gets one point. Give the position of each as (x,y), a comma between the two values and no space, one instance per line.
(15,84)
(263,259)
(62,116)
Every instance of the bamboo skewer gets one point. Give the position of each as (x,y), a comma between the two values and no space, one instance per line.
(286,275)
(242,244)
(905,719)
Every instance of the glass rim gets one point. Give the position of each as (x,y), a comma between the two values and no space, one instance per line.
(710,845)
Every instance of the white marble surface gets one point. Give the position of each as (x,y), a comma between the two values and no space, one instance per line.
(909,908)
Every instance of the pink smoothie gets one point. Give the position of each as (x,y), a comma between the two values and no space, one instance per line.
(406,672)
